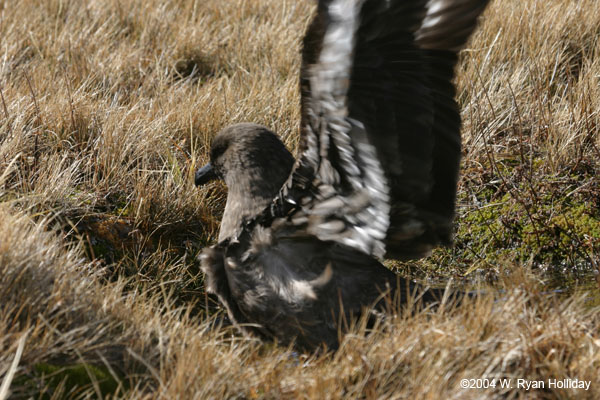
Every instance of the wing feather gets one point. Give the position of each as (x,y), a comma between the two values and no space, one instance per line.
(381,140)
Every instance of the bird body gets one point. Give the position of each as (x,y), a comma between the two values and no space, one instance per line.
(295,288)
(300,243)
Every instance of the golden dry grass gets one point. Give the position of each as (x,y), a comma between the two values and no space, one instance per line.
(106,110)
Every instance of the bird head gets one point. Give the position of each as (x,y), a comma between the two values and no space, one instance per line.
(247,155)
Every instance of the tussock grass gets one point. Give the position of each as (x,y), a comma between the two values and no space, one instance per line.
(107,108)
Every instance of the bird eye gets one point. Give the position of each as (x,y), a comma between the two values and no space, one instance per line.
(217,152)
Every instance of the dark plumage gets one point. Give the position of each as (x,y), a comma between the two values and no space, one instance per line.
(299,244)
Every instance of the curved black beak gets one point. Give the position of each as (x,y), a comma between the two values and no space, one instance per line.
(205,175)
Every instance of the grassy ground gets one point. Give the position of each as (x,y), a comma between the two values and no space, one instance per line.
(106,110)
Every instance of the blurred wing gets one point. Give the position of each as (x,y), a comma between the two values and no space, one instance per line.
(381,129)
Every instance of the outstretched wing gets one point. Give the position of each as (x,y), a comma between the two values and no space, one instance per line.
(381,129)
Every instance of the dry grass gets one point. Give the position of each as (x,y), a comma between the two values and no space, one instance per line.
(106,110)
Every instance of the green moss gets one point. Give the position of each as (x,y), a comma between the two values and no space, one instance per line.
(524,216)
(71,380)
(546,233)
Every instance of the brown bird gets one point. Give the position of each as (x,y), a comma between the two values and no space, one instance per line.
(301,242)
